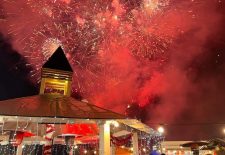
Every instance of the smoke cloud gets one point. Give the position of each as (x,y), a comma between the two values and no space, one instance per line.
(183,84)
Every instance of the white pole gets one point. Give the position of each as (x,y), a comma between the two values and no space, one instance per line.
(19,150)
(113,149)
(104,138)
(135,143)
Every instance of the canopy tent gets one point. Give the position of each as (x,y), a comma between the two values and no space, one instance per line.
(213,144)
(136,124)
(194,144)
(53,117)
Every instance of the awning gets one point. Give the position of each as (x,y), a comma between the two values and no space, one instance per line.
(136,124)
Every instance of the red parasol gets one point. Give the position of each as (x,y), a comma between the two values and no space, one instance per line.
(81,129)
(18,137)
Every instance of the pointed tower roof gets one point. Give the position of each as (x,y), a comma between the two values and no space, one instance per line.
(56,80)
(58,61)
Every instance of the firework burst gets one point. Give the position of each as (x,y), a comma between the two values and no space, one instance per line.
(49,46)
(90,32)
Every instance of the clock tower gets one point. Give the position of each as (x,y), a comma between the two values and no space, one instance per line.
(56,75)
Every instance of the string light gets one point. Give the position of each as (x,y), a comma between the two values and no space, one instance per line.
(146,139)
(144,149)
(85,151)
(187,124)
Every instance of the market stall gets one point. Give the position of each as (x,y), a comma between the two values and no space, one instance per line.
(53,122)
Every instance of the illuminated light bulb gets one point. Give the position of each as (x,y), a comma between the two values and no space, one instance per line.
(116,124)
(224,130)
(75,146)
(161,129)
(95,152)
(85,151)
(144,149)
(132,149)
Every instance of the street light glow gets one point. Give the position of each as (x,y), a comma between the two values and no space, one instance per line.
(161,129)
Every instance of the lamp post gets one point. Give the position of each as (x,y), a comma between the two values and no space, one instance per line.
(161,131)
(69,141)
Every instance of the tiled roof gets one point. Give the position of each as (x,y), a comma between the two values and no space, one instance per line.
(54,106)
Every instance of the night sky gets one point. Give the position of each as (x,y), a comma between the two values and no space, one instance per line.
(13,79)
(182,87)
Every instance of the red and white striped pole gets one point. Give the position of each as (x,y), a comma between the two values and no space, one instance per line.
(50,129)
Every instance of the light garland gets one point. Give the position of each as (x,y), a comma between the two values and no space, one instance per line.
(33,125)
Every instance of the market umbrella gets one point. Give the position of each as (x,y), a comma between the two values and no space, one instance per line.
(216,142)
(82,129)
(194,144)
(16,137)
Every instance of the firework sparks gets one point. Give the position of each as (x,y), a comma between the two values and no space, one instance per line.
(85,28)
(94,34)
(50,46)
